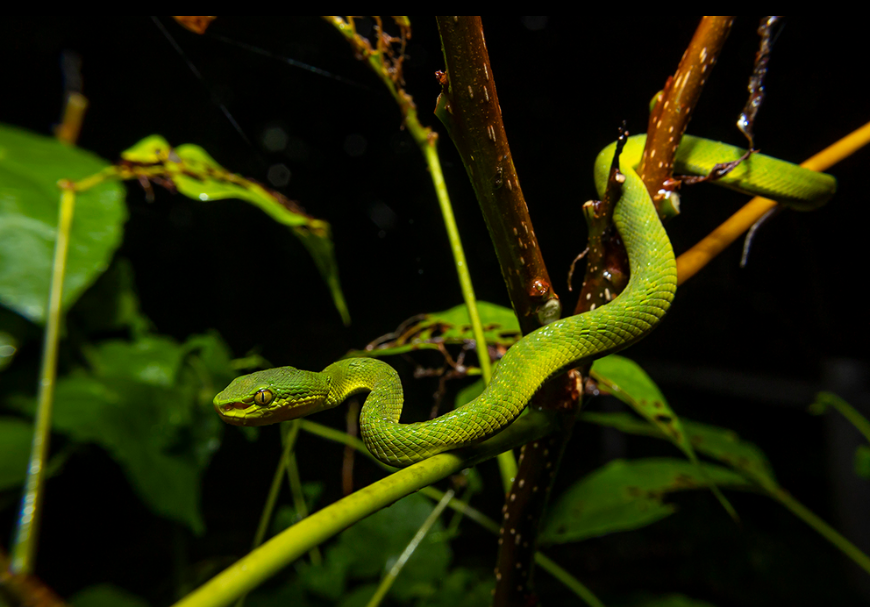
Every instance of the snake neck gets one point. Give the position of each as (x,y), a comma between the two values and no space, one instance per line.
(531,361)
(356,375)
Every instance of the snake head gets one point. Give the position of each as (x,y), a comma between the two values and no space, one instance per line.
(275,395)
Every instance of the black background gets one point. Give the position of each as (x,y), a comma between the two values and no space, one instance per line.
(796,310)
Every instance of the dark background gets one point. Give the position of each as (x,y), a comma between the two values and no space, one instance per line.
(741,348)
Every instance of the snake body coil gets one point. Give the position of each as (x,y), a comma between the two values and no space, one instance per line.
(285,393)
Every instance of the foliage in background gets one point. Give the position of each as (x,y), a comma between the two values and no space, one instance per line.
(145,399)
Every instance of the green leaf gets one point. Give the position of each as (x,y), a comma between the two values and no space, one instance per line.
(209,368)
(497,321)
(30,167)
(111,304)
(670,600)
(629,383)
(151,359)
(625,380)
(15,436)
(287,515)
(358,597)
(716,442)
(214,354)
(133,422)
(825,400)
(451,327)
(726,446)
(463,588)
(199,176)
(151,150)
(8,348)
(862,461)
(283,596)
(624,422)
(627,494)
(152,413)
(106,595)
(385,535)
(329,579)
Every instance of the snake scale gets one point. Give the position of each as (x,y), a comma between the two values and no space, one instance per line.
(283,393)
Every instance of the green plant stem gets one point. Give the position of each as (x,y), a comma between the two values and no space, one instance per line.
(251,570)
(296,490)
(396,569)
(426,140)
(823,528)
(286,462)
(460,506)
(463,508)
(861,423)
(763,484)
(507,463)
(275,488)
(340,437)
(431,155)
(453,527)
(541,560)
(24,548)
(569,580)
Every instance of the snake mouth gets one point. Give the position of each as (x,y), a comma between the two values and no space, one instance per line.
(234,413)
(248,414)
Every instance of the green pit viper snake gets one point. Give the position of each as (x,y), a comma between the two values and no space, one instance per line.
(283,393)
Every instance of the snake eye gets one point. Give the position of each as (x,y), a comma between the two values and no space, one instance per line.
(263,397)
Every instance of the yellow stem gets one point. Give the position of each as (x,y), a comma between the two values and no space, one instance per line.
(24,548)
(690,262)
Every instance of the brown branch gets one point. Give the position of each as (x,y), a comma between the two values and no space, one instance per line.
(525,503)
(23,589)
(469,108)
(197,25)
(607,263)
(674,104)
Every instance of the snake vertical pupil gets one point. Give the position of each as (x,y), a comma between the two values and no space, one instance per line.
(263,397)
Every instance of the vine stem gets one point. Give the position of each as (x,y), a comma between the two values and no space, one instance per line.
(569,580)
(823,528)
(24,547)
(427,141)
(460,506)
(396,569)
(507,463)
(253,569)
(248,572)
(431,155)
